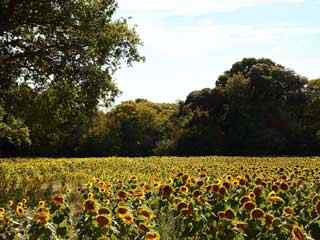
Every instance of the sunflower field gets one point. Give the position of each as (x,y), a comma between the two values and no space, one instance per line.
(160,198)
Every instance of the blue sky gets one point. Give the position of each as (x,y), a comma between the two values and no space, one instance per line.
(189,43)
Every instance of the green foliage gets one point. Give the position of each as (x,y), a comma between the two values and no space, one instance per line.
(60,56)
(312,114)
(133,128)
(13,133)
(257,107)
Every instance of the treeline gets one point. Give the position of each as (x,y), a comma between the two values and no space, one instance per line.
(256,108)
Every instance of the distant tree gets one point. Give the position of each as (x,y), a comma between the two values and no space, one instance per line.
(264,104)
(66,53)
(97,141)
(133,128)
(136,127)
(257,107)
(312,116)
(198,120)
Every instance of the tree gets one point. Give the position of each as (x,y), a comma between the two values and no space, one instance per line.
(133,128)
(312,116)
(264,104)
(66,52)
(257,107)
(13,133)
(199,120)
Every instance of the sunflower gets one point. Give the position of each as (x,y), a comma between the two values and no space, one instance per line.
(42,215)
(229,214)
(244,199)
(183,189)
(3,219)
(146,213)
(258,190)
(227,185)
(252,195)
(203,175)
(222,190)
(284,186)
(143,227)
(272,194)
(90,195)
(187,211)
(19,211)
(297,233)
(275,200)
(215,188)
(152,236)
(258,181)
(275,187)
(11,203)
(127,219)
(256,213)
(220,214)
(208,188)
(104,211)
(2,210)
(242,181)
(146,187)
(315,198)
(269,219)
(41,203)
(89,206)
(249,205)
(200,200)
(185,178)
(199,183)
(165,190)
(133,178)
(138,194)
(288,211)
(122,211)
(58,199)
(181,205)
(122,195)
(103,220)
(235,182)
(241,225)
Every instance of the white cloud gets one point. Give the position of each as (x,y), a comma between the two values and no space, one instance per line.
(192,7)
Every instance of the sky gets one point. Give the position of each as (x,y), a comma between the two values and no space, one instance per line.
(189,43)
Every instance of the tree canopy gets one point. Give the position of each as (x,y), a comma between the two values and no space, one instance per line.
(257,107)
(57,60)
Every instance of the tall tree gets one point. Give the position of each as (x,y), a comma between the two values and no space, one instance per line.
(264,104)
(257,107)
(312,116)
(135,128)
(66,52)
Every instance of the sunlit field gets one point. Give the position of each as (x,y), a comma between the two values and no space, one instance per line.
(160,198)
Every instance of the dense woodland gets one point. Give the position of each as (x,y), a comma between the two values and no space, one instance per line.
(57,61)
